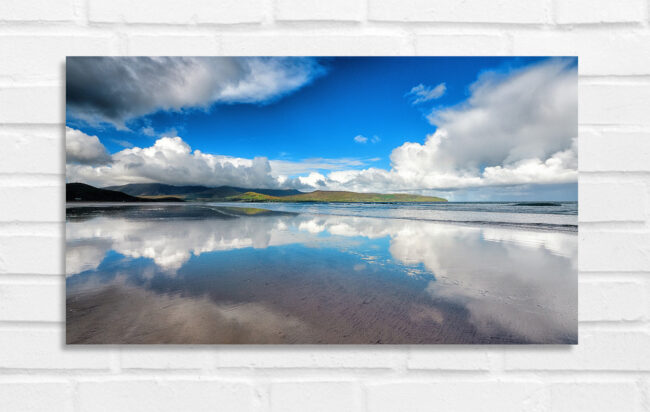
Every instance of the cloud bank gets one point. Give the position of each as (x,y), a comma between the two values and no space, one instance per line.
(171,160)
(515,128)
(116,89)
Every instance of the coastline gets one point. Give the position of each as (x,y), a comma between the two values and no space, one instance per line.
(287,207)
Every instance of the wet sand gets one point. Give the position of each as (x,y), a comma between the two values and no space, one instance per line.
(252,277)
(308,313)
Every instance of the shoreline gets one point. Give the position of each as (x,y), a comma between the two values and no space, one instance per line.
(533,226)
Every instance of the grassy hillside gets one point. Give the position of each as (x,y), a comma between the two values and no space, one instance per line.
(255,197)
(213,195)
(226,192)
(327,196)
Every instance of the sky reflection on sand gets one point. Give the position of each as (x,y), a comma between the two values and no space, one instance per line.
(329,279)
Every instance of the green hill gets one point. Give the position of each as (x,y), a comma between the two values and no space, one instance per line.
(222,193)
(255,197)
(332,196)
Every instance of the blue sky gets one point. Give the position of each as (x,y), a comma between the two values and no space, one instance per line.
(352,112)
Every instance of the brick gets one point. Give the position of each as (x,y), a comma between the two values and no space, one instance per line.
(596,351)
(31,254)
(42,58)
(460,45)
(609,151)
(613,251)
(315,396)
(448,357)
(45,349)
(173,12)
(36,396)
(340,10)
(608,201)
(595,396)
(310,357)
(176,45)
(37,10)
(472,11)
(32,302)
(313,45)
(455,396)
(187,357)
(614,138)
(646,299)
(45,103)
(168,395)
(591,47)
(611,301)
(32,150)
(599,11)
(610,103)
(26,204)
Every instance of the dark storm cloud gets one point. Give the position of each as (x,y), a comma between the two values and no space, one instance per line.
(117,89)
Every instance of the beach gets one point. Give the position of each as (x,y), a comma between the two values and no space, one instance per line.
(314,273)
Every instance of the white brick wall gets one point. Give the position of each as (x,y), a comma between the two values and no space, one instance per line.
(608,371)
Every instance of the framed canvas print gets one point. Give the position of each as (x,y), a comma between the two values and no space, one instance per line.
(333,200)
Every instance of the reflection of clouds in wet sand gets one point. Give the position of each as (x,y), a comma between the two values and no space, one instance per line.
(85,254)
(136,316)
(169,243)
(512,282)
(523,282)
(562,244)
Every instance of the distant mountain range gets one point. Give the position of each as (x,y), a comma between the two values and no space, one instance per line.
(195,193)
(158,192)
(81,192)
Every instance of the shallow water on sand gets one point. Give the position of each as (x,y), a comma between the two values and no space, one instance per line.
(220,274)
(556,216)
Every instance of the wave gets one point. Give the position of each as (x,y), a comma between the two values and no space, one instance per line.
(535,221)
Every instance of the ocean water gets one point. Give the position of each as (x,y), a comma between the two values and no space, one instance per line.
(551,216)
(321,273)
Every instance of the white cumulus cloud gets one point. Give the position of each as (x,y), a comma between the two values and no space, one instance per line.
(171,160)
(515,128)
(84,149)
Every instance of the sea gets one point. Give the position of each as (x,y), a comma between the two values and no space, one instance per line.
(561,216)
